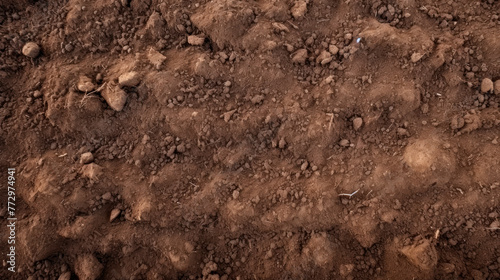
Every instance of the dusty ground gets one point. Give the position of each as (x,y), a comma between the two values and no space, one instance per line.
(168,139)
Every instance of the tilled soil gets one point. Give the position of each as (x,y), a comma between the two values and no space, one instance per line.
(226,139)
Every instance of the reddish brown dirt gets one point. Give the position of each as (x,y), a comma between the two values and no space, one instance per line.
(227,153)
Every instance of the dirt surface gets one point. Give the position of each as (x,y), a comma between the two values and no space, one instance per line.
(283,139)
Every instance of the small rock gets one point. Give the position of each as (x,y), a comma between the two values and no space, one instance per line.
(299,56)
(114,214)
(31,49)
(304,165)
(344,143)
(282,143)
(333,49)
(156,58)
(87,267)
(196,40)
(86,158)
(324,57)
(236,194)
(495,224)
(447,268)
(227,115)
(37,94)
(107,196)
(115,97)
(497,87)
(415,57)
(68,47)
(65,276)
(181,148)
(402,132)
(457,122)
(85,84)
(257,99)
(129,79)
(299,9)
(357,123)
(486,85)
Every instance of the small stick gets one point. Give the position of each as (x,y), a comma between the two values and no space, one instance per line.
(293,25)
(331,120)
(63,155)
(349,194)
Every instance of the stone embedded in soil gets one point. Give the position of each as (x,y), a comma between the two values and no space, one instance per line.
(65,276)
(257,99)
(91,171)
(196,40)
(333,49)
(344,143)
(31,49)
(324,58)
(156,58)
(115,97)
(357,123)
(299,56)
(87,267)
(422,254)
(497,87)
(86,158)
(415,57)
(85,84)
(299,9)
(457,122)
(282,143)
(486,85)
(114,214)
(447,268)
(129,79)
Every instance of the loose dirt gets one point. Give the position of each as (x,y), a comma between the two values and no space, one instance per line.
(284,139)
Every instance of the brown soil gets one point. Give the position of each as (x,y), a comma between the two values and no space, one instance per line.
(169,139)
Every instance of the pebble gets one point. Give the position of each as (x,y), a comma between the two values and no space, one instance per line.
(282,143)
(257,99)
(37,94)
(31,49)
(357,123)
(88,267)
(486,85)
(65,276)
(344,143)
(236,194)
(324,58)
(415,57)
(299,9)
(129,79)
(68,47)
(115,97)
(195,40)
(85,84)
(86,158)
(299,56)
(114,214)
(333,49)
(156,58)
(181,148)
(497,87)
(107,196)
